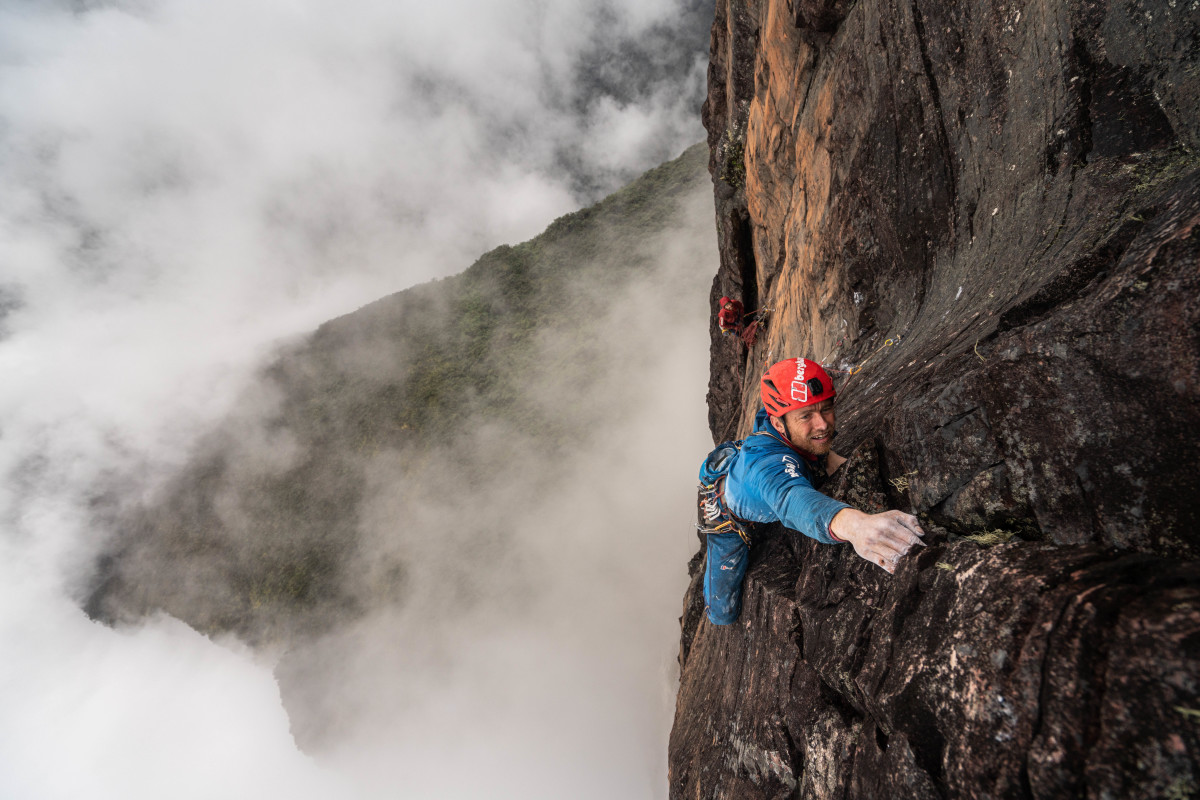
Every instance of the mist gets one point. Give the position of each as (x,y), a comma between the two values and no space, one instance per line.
(533,650)
(186,185)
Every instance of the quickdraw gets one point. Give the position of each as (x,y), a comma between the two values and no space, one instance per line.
(887,343)
(715,516)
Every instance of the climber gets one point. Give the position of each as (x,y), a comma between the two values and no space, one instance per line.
(773,475)
(729,318)
(732,319)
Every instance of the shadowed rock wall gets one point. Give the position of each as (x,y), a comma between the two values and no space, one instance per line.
(1009,670)
(984,216)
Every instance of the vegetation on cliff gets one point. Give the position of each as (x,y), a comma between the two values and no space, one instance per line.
(440,387)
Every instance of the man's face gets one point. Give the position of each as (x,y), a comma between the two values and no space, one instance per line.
(811,428)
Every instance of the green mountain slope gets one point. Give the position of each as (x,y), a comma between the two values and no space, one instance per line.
(432,405)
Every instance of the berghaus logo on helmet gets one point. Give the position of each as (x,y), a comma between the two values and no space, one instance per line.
(801,388)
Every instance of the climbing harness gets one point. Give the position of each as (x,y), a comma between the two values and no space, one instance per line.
(713,515)
(726,538)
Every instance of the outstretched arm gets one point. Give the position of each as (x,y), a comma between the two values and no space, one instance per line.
(881,539)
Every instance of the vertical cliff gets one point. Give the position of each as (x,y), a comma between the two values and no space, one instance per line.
(984,216)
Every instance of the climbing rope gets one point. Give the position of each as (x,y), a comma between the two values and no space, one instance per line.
(895,340)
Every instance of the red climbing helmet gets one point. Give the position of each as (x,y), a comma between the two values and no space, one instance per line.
(721,303)
(795,383)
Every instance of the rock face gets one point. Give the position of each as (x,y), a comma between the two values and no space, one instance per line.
(984,218)
(1015,670)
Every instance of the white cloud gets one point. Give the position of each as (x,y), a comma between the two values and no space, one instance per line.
(154,712)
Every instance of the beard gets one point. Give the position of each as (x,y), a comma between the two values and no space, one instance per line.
(821,447)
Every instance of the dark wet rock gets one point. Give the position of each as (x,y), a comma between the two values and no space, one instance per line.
(985,218)
(1024,669)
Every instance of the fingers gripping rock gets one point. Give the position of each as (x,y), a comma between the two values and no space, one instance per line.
(883,539)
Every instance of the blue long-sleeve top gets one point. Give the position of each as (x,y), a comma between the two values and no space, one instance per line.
(770,481)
